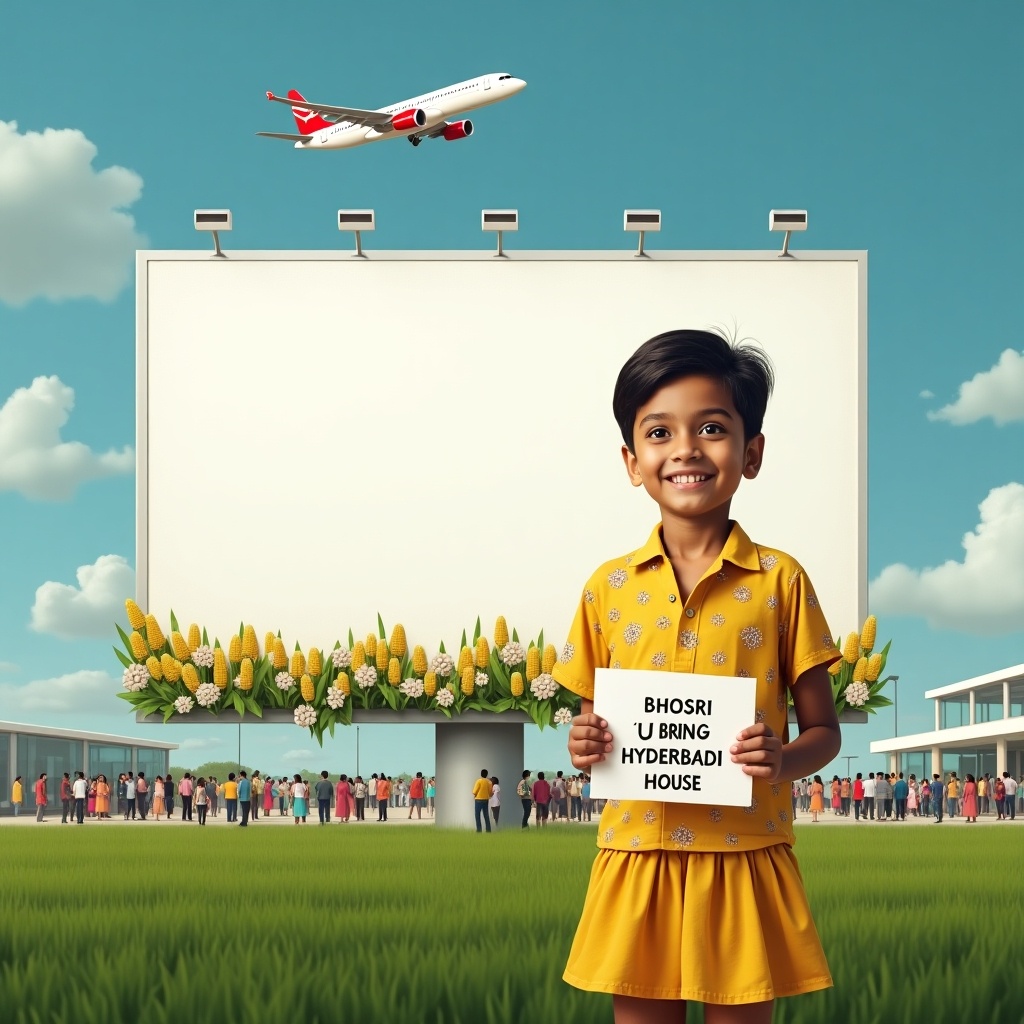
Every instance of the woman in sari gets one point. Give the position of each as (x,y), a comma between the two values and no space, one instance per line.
(158,798)
(344,802)
(102,797)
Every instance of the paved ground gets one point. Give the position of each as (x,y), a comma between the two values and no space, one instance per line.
(400,816)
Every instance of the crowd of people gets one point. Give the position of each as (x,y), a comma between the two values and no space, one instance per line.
(881,797)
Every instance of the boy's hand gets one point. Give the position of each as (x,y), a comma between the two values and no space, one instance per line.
(589,739)
(759,750)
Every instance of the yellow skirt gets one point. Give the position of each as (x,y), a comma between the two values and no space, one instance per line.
(711,927)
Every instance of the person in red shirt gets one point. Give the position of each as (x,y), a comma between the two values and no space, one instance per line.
(858,795)
(41,797)
(416,795)
(542,798)
(65,798)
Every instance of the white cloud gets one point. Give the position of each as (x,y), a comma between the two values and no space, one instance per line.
(34,460)
(926,394)
(199,744)
(8,666)
(305,756)
(998,392)
(91,608)
(983,594)
(81,692)
(64,232)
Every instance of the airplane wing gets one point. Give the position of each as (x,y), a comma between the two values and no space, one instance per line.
(284,135)
(371,118)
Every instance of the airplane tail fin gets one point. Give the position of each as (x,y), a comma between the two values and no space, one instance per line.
(308,121)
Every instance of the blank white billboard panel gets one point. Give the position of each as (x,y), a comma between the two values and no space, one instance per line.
(323,438)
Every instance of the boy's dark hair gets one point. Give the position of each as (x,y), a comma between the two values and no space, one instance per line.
(744,369)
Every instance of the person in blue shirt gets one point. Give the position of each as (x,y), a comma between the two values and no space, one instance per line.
(586,798)
(900,792)
(937,794)
(244,798)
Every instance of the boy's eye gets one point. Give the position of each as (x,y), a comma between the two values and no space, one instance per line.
(712,428)
(658,433)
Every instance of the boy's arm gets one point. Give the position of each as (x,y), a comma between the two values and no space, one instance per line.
(762,753)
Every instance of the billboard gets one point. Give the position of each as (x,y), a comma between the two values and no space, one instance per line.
(429,436)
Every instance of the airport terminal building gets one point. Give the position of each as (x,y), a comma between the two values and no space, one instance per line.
(979,728)
(27,750)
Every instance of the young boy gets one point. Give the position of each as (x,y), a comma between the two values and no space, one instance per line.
(687,901)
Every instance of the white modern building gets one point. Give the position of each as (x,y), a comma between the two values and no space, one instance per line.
(979,728)
(27,750)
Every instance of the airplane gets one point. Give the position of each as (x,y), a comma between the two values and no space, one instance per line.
(322,126)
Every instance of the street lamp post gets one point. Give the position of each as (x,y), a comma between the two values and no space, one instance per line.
(848,758)
(357,753)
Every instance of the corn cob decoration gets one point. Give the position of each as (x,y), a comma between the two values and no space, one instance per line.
(195,638)
(394,672)
(220,669)
(344,683)
(851,650)
(867,634)
(250,645)
(307,688)
(245,675)
(517,684)
(268,644)
(235,649)
(550,657)
(154,637)
(874,668)
(298,665)
(399,645)
(371,645)
(155,670)
(482,654)
(468,679)
(316,662)
(280,657)
(532,663)
(139,648)
(171,668)
(419,661)
(136,618)
(465,660)
(500,632)
(860,670)
(430,683)
(190,677)
(383,656)
(358,655)
(836,667)
(180,648)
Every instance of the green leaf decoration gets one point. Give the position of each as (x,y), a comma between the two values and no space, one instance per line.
(380,626)
(127,662)
(174,623)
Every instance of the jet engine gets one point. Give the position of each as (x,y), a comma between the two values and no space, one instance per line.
(458,130)
(407,120)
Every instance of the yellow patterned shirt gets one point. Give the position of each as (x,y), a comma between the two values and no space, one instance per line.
(752,613)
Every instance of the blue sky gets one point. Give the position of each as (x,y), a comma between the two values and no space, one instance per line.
(898,126)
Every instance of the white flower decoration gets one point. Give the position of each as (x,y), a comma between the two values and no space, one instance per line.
(688,639)
(658,660)
(512,653)
(751,637)
(203,656)
(663,622)
(284,681)
(768,561)
(617,578)
(643,597)
(444,697)
(305,716)
(544,686)
(335,698)
(412,687)
(632,633)
(682,836)
(717,619)
(856,694)
(481,679)
(443,664)
(341,657)
(183,705)
(207,694)
(135,678)
(742,594)
(563,716)
(366,676)
(567,652)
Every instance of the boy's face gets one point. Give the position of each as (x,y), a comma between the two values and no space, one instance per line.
(688,448)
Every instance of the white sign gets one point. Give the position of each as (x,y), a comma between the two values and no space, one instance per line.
(671,734)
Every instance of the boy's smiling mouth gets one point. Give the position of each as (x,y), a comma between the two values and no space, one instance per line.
(689,479)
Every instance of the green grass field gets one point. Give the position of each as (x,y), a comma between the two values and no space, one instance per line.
(177,926)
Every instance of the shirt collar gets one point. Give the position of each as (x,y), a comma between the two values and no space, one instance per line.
(739,549)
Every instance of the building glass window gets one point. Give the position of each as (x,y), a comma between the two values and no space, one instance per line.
(110,761)
(955,712)
(51,755)
(976,760)
(152,762)
(1016,699)
(6,780)
(915,763)
(988,704)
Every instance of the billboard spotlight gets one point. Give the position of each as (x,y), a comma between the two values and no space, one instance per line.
(642,221)
(788,221)
(215,221)
(357,221)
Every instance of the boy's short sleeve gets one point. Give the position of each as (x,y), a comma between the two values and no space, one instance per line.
(806,640)
(585,649)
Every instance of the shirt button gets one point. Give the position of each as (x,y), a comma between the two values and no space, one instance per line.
(672,597)
(689,613)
